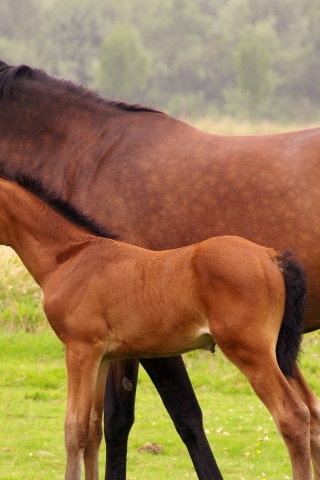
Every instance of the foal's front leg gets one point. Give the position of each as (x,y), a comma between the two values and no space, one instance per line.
(82,361)
(91,451)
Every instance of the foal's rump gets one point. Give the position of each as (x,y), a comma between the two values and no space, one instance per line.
(251,293)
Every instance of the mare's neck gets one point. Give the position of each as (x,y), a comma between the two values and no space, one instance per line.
(49,130)
(41,237)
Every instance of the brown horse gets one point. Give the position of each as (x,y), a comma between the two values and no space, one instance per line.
(108,300)
(161,184)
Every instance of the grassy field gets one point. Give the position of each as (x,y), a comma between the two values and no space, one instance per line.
(239,428)
(33,393)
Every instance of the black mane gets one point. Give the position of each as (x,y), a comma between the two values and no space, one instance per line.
(9,73)
(54,201)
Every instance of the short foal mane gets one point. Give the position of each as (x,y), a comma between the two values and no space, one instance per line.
(9,74)
(54,201)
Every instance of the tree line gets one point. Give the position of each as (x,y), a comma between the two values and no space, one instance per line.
(246,58)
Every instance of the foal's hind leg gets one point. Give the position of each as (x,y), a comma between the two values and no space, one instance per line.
(307,396)
(258,363)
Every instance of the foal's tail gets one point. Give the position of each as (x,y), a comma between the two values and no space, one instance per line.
(291,330)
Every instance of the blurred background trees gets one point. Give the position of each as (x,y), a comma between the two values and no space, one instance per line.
(124,64)
(252,59)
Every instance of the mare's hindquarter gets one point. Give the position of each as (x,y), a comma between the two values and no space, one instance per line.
(141,303)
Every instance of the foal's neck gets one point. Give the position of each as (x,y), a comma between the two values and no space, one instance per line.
(41,237)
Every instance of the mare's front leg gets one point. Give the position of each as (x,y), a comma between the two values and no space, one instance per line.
(119,415)
(82,361)
(307,396)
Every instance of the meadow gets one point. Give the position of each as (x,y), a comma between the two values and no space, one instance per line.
(240,430)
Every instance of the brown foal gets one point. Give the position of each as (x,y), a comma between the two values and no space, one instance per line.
(108,300)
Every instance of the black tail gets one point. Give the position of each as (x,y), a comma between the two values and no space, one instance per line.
(291,330)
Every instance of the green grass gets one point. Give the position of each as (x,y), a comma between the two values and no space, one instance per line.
(32,406)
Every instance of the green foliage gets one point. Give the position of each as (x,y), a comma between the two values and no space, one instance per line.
(71,33)
(256,77)
(125,64)
(190,57)
(18,19)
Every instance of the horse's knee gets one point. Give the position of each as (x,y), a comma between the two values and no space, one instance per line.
(95,431)
(117,424)
(76,436)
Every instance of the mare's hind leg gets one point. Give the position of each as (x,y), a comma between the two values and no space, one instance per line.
(258,363)
(173,384)
(307,396)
